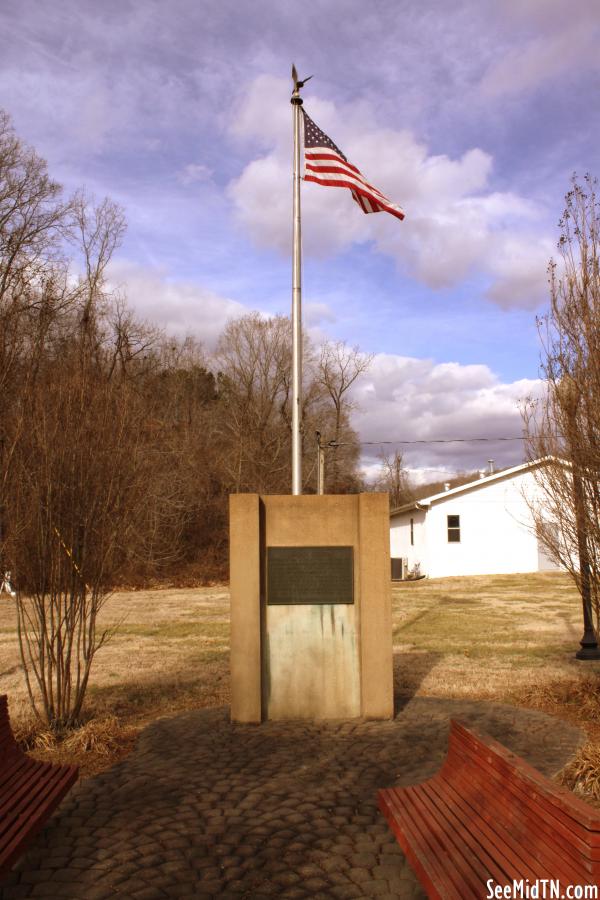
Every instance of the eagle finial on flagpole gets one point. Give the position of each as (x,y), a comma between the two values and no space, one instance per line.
(297,83)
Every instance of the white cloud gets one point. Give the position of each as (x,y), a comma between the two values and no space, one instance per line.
(519,269)
(565,43)
(406,399)
(313,313)
(193,173)
(264,124)
(455,226)
(180,307)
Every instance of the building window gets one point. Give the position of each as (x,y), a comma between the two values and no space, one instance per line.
(453,529)
(412,532)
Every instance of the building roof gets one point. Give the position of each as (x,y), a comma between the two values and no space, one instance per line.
(426,502)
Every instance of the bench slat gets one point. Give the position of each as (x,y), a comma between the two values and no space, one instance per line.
(23,784)
(460,871)
(35,803)
(486,815)
(13,767)
(555,824)
(537,827)
(411,835)
(470,864)
(30,791)
(494,862)
(554,796)
(552,835)
(524,860)
(34,785)
(29,824)
(482,828)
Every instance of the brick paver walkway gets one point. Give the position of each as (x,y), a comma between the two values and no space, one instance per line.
(204,808)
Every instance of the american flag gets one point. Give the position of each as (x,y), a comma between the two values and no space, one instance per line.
(324,163)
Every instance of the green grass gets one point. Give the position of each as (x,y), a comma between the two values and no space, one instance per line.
(171,630)
(524,617)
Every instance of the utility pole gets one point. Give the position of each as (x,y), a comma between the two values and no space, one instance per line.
(320,465)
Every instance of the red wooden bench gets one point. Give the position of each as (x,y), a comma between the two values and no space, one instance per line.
(29,793)
(488,815)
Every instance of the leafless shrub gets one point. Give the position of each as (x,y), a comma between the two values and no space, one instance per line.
(81,476)
(564,425)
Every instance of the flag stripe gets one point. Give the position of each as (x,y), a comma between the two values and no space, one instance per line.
(325,164)
(342,169)
(358,191)
(320,162)
(363,202)
(335,177)
(368,198)
(324,156)
(330,168)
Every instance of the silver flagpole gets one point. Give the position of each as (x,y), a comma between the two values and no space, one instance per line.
(296,101)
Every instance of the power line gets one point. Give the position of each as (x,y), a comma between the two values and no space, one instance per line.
(444,441)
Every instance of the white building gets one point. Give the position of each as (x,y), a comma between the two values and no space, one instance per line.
(481,528)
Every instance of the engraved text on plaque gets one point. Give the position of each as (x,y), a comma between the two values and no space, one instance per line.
(304,575)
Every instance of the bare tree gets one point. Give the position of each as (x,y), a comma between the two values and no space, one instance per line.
(34,288)
(338,369)
(564,425)
(254,363)
(185,414)
(32,215)
(393,479)
(253,358)
(97,230)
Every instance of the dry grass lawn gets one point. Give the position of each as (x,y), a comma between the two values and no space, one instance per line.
(508,638)
(486,637)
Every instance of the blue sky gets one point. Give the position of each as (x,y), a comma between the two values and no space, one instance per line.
(471,115)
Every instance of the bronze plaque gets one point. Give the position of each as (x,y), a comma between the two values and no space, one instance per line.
(303,575)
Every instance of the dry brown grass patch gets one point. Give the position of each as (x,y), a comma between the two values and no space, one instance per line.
(578,701)
(92,746)
(578,696)
(582,774)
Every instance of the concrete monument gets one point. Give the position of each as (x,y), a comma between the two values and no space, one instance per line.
(311,630)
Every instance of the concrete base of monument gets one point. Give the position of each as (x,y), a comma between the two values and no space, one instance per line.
(311,633)
(311,662)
